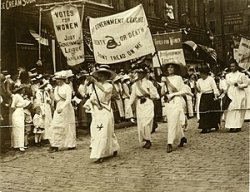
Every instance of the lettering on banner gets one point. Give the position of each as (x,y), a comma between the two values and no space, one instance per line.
(121,37)
(67,27)
(9,4)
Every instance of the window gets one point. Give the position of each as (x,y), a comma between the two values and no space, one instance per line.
(211,6)
(212,26)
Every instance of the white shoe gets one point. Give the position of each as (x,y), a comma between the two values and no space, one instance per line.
(21,149)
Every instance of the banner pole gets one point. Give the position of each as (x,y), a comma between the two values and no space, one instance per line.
(39,29)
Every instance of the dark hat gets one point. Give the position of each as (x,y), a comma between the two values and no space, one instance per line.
(205,70)
(181,69)
(104,69)
(19,88)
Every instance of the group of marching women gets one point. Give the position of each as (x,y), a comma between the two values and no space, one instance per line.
(48,108)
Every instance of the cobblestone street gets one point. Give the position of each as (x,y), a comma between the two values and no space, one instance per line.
(214,162)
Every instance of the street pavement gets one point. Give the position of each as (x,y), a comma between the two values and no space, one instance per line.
(214,162)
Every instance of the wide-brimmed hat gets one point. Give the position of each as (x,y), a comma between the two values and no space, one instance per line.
(117,78)
(69,73)
(45,82)
(180,68)
(82,73)
(125,77)
(104,69)
(60,75)
(18,88)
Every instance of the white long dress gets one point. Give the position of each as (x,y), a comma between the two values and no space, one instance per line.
(63,127)
(234,116)
(247,115)
(103,139)
(119,101)
(126,98)
(175,110)
(43,100)
(17,133)
(144,111)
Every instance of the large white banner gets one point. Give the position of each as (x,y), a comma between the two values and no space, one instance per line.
(68,30)
(169,49)
(244,53)
(121,37)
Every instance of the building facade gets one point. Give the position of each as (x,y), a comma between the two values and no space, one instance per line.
(228,20)
(19,48)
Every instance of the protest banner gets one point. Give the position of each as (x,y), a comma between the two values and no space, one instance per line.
(68,30)
(121,37)
(169,48)
(244,53)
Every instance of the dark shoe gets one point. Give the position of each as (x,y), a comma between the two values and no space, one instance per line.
(169,148)
(147,145)
(153,131)
(115,153)
(238,130)
(232,130)
(100,160)
(72,148)
(204,131)
(183,140)
(53,149)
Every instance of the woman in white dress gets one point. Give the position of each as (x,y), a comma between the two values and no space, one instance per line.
(103,139)
(63,127)
(17,132)
(43,100)
(144,92)
(173,91)
(236,82)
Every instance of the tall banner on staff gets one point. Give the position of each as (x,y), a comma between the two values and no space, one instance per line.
(121,37)
(169,48)
(244,53)
(68,30)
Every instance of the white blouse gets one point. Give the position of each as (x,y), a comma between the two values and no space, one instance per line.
(207,85)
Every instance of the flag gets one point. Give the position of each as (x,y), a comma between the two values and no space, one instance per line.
(40,39)
(121,37)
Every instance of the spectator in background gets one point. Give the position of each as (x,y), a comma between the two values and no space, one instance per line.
(17,134)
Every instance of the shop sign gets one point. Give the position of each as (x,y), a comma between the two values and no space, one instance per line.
(9,4)
(233,19)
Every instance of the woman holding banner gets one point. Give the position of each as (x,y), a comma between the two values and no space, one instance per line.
(103,139)
(173,91)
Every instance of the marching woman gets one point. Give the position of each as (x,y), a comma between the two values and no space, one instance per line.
(17,133)
(208,107)
(103,139)
(173,91)
(144,92)
(237,82)
(63,127)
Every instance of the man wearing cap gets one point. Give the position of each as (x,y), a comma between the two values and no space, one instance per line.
(144,92)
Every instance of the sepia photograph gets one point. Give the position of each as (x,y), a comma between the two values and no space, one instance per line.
(125,95)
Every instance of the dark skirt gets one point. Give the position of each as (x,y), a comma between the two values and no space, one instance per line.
(209,112)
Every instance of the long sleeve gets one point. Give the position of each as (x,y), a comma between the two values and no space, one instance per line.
(153,91)
(133,95)
(214,86)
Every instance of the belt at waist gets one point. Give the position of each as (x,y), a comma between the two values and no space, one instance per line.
(208,92)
